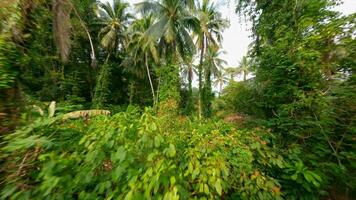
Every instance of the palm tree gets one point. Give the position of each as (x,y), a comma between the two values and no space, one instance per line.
(220,80)
(213,62)
(243,68)
(171,31)
(114,20)
(188,71)
(142,48)
(209,34)
(172,25)
(232,72)
(213,65)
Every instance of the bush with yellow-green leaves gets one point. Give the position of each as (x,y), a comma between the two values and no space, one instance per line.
(130,156)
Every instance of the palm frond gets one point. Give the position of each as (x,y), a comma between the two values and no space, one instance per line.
(148,7)
(155,31)
(108,10)
(109,37)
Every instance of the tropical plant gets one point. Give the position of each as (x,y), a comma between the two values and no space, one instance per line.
(220,80)
(61,10)
(114,19)
(208,35)
(188,70)
(243,68)
(143,49)
(231,72)
(133,156)
(213,64)
(171,30)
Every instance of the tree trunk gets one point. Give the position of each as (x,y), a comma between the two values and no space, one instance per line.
(200,73)
(221,84)
(190,80)
(132,89)
(157,94)
(207,97)
(149,78)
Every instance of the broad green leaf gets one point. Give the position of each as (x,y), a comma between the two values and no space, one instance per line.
(218,187)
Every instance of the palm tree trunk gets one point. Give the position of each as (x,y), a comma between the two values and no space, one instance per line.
(190,80)
(190,104)
(207,89)
(200,74)
(245,76)
(149,78)
(220,88)
(132,89)
(92,55)
(99,89)
(157,94)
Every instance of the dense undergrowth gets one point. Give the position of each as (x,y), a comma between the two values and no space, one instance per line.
(133,155)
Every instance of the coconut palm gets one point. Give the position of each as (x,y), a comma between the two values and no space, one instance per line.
(172,25)
(211,24)
(232,72)
(171,31)
(220,80)
(143,48)
(188,71)
(243,68)
(115,20)
(213,65)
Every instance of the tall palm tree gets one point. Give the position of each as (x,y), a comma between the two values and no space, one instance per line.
(143,48)
(114,19)
(243,68)
(213,65)
(220,80)
(188,71)
(213,62)
(171,31)
(211,24)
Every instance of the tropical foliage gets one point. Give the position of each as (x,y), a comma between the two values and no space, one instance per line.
(110,100)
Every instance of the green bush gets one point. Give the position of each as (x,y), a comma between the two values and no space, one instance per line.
(131,156)
(241,97)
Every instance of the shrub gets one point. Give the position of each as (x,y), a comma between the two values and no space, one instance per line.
(133,156)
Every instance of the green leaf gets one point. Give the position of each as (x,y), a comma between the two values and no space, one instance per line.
(206,189)
(218,187)
(171,152)
(173,180)
(195,173)
(157,141)
(294,177)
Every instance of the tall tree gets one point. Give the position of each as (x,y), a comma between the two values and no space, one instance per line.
(115,20)
(211,25)
(243,68)
(294,70)
(142,50)
(220,80)
(171,30)
(188,71)
(213,65)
